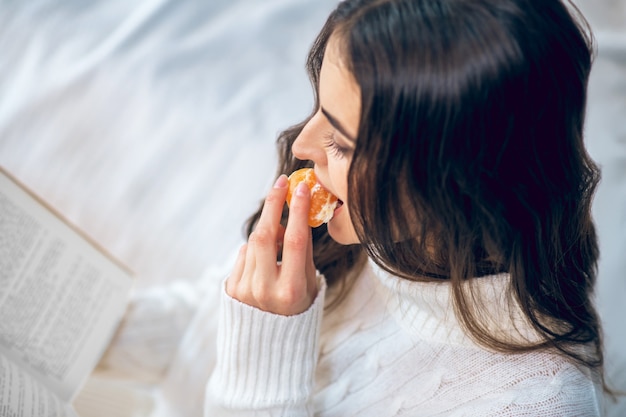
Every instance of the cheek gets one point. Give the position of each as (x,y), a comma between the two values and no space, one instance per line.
(341,228)
(338,171)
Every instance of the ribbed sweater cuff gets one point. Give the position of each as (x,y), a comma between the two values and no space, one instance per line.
(265,359)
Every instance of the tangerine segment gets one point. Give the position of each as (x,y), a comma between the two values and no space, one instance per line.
(323,203)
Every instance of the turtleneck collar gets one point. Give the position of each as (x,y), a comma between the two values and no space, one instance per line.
(426,310)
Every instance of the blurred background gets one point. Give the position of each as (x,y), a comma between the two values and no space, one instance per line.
(151,125)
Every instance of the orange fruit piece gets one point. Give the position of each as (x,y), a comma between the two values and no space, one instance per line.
(323,203)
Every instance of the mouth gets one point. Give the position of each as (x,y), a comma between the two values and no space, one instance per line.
(339,201)
(337,208)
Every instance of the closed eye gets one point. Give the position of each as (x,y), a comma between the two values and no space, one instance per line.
(331,144)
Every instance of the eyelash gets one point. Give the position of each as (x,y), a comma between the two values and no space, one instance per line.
(332,145)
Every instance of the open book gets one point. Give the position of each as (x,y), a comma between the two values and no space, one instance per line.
(61,298)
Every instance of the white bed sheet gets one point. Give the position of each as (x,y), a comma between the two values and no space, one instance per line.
(151,124)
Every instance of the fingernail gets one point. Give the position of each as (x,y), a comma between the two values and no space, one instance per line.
(302,190)
(281,182)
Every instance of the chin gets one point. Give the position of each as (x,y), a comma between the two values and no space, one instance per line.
(342,234)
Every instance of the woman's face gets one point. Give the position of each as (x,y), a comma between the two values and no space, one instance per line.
(329,138)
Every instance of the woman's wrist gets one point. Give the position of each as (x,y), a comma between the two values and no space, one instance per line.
(265,359)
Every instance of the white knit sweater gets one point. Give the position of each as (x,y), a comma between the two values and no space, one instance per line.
(391,348)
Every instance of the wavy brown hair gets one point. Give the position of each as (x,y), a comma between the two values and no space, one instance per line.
(470,157)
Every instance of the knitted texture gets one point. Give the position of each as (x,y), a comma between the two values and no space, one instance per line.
(391,348)
(266,359)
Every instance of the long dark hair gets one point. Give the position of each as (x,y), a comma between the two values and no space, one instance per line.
(470,158)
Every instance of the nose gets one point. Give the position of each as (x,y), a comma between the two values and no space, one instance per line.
(309,145)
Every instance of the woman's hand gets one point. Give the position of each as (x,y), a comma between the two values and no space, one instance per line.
(285,288)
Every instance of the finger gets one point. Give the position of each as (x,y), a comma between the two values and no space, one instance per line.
(274,203)
(250,264)
(297,234)
(264,241)
(235,276)
(267,231)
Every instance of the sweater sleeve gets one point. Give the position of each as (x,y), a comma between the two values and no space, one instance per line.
(265,362)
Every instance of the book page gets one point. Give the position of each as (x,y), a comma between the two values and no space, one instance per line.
(21,395)
(61,297)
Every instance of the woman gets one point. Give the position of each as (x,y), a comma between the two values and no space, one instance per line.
(456,278)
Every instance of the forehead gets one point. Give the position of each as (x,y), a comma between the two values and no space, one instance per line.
(339,92)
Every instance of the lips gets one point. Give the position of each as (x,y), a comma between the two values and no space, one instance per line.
(337,208)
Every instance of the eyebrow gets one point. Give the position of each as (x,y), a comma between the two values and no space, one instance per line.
(335,123)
